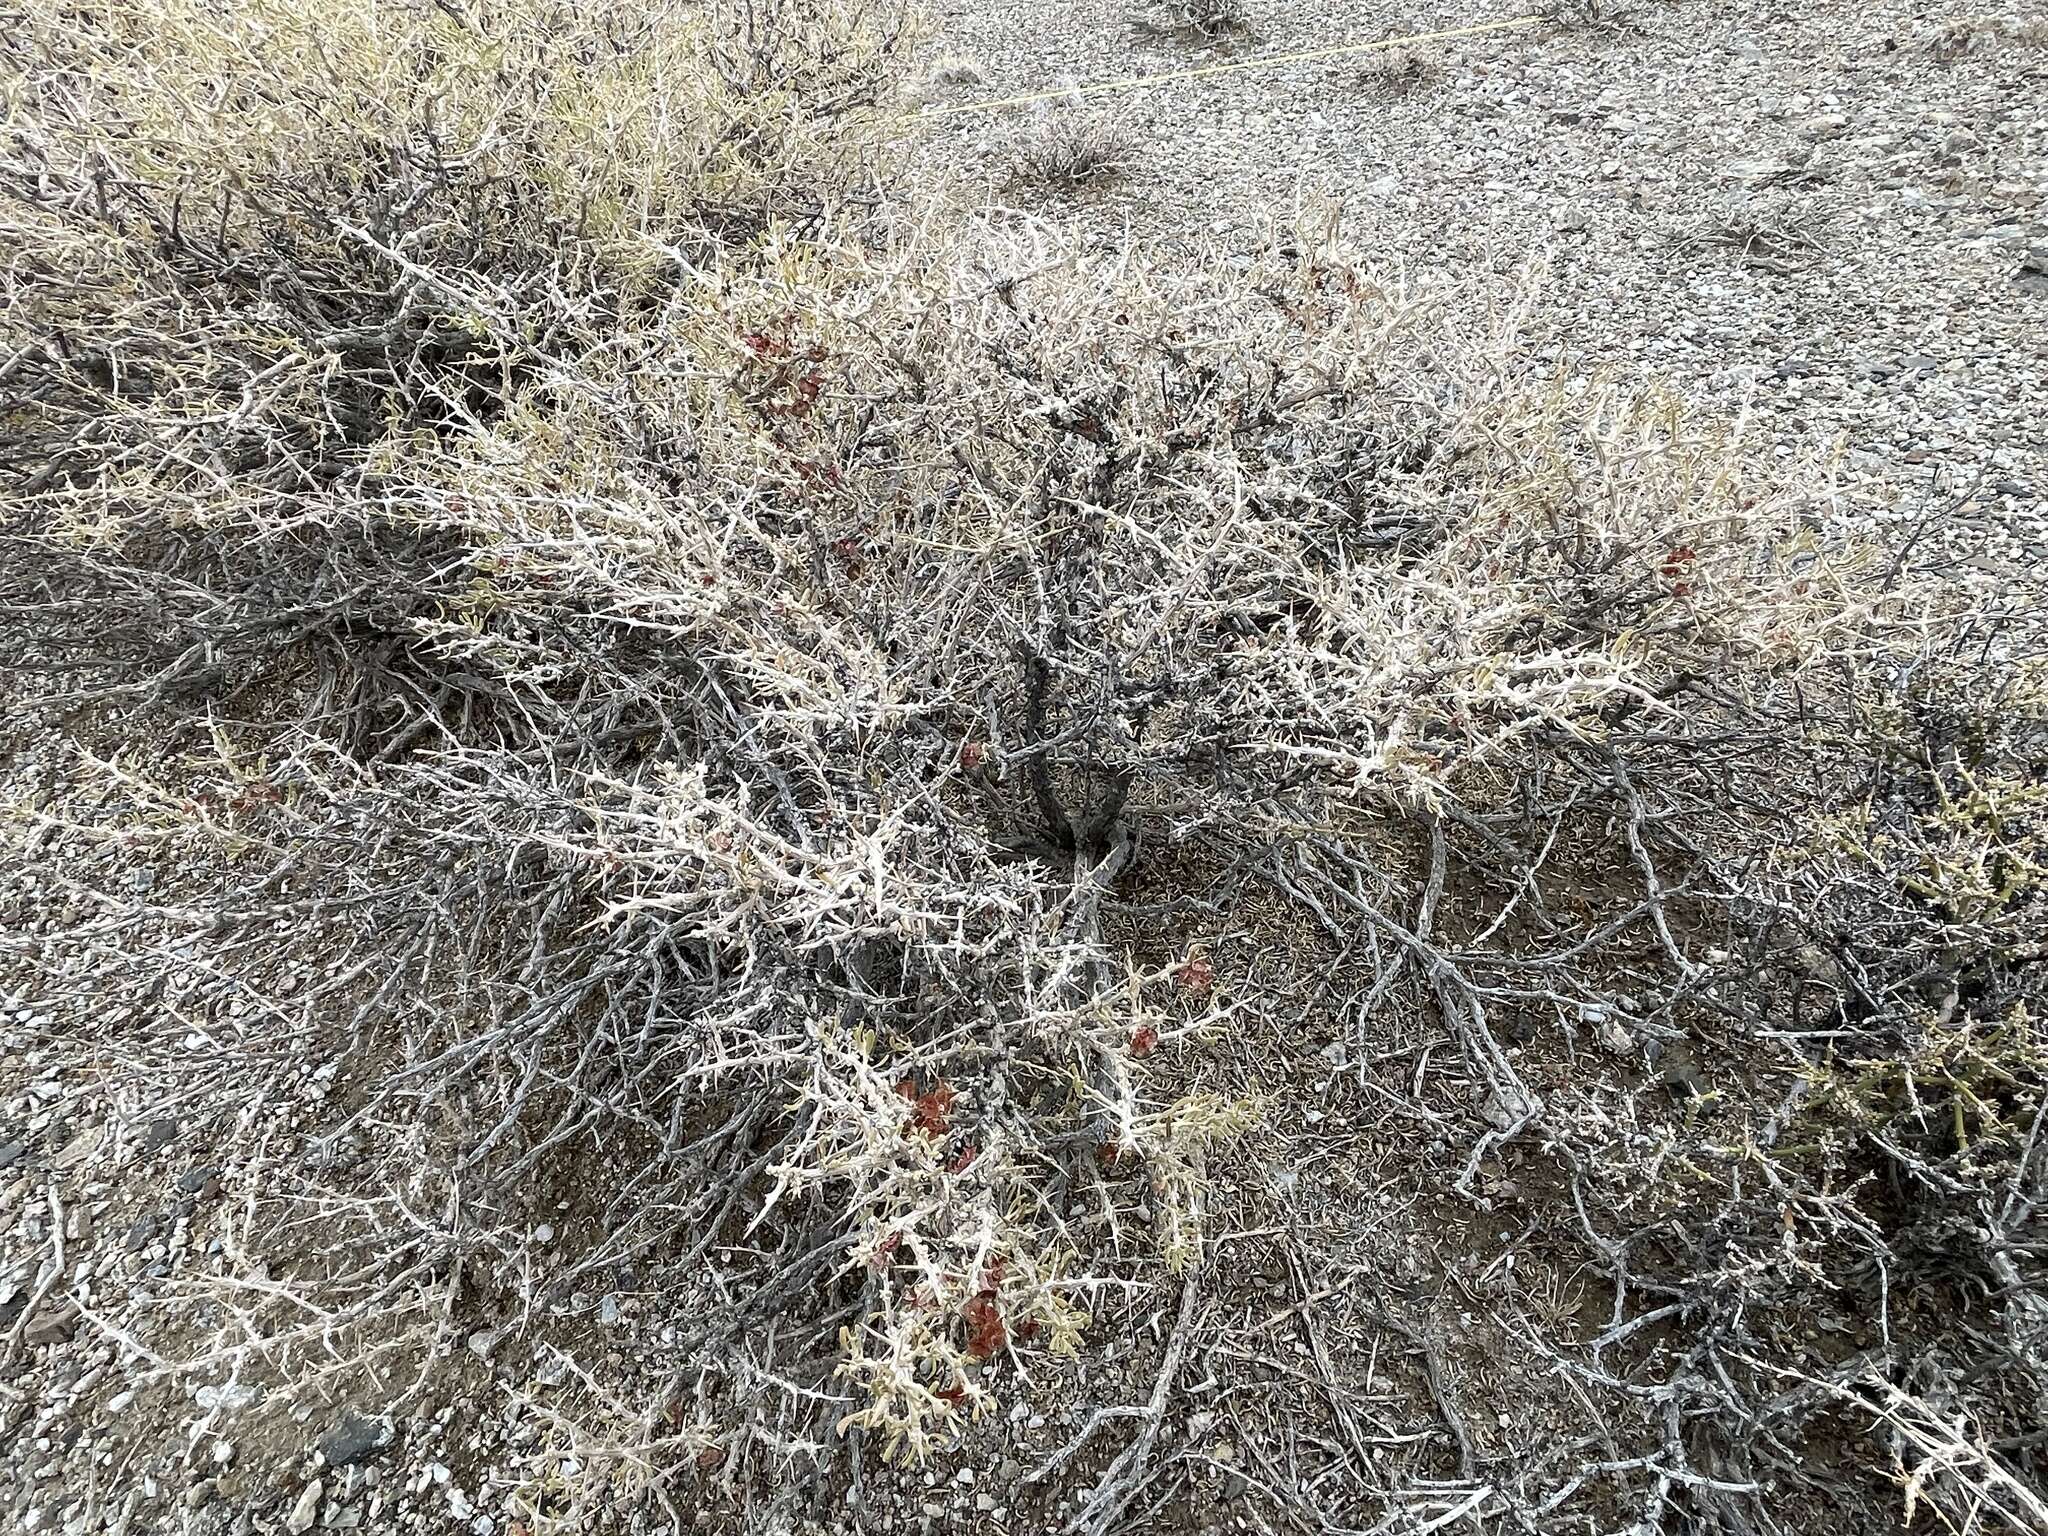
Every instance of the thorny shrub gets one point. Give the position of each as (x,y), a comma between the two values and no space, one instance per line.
(1205,20)
(1984,33)
(1069,146)
(661,665)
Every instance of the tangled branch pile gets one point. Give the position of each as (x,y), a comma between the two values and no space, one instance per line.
(635,675)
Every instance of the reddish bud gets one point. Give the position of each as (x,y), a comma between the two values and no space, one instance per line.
(985,1332)
(930,1112)
(1144,1040)
(1197,976)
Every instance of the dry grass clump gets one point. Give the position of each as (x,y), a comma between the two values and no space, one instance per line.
(752,724)
(1070,147)
(1197,20)
(955,69)
(1404,71)
(1610,16)
(1987,33)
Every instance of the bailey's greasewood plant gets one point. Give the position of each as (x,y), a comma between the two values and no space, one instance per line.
(676,660)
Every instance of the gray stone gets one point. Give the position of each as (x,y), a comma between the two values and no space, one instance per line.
(1683,1082)
(485,1341)
(354,1439)
(51,1327)
(194,1180)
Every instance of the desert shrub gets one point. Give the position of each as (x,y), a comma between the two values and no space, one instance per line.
(340,195)
(1068,147)
(759,721)
(1978,35)
(955,69)
(1593,15)
(1204,20)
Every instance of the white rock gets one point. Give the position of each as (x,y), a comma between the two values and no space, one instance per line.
(1510,1107)
(307,1510)
(231,1398)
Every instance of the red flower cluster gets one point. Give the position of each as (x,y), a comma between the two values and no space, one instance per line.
(986,1334)
(983,1314)
(931,1111)
(793,380)
(1675,566)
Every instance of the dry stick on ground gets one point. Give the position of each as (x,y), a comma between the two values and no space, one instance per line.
(1439,1390)
(1458,1001)
(1125,1477)
(52,1276)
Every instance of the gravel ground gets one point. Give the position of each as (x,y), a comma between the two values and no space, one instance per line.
(1829,214)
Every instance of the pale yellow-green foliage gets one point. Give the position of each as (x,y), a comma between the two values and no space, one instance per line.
(1975,1085)
(619,127)
(1974,846)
